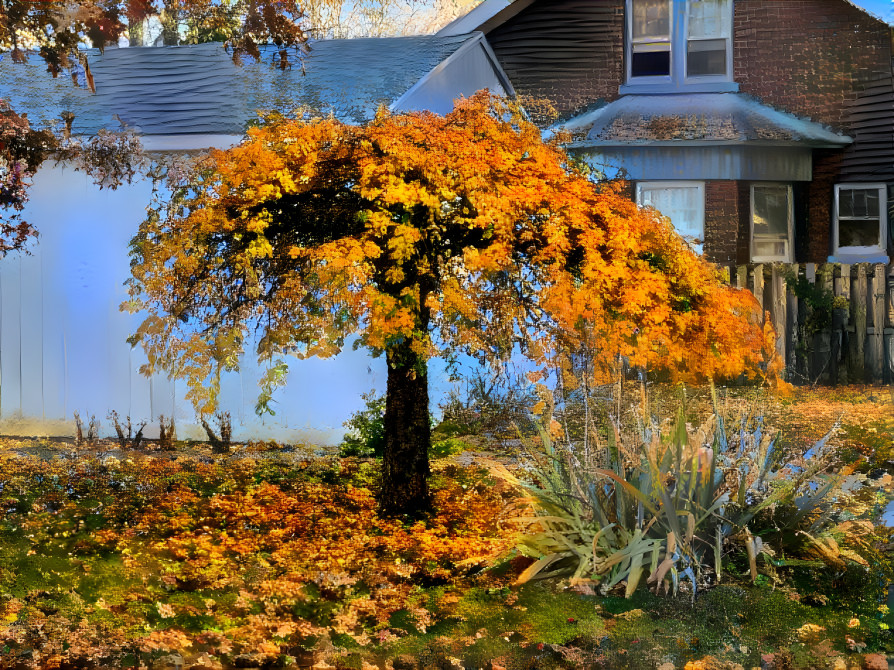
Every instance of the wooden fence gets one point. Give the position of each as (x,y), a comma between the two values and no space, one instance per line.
(835,322)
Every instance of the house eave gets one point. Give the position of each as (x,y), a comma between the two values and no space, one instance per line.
(701,119)
(595,144)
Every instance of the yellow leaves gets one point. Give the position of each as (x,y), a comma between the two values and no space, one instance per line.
(402,243)
(166,640)
(260,247)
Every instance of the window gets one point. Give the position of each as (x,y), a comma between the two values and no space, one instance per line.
(860,219)
(771,223)
(650,50)
(679,41)
(683,202)
(708,37)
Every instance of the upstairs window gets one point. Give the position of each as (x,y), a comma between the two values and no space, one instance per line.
(860,219)
(679,41)
(650,51)
(708,38)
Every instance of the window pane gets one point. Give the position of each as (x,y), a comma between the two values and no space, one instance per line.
(709,18)
(770,248)
(859,233)
(858,202)
(771,209)
(706,57)
(684,206)
(646,62)
(770,222)
(651,18)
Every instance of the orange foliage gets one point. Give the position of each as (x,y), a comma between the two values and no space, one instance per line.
(282,548)
(219,560)
(467,226)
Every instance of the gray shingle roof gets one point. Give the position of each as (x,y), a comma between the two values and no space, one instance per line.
(702,118)
(198,89)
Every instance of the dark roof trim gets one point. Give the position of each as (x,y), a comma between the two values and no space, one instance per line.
(867,12)
(485,17)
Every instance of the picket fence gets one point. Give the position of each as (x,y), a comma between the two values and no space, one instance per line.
(848,341)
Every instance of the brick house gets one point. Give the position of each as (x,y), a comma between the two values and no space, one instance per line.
(763,128)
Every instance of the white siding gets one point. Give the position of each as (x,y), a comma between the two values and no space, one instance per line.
(62,336)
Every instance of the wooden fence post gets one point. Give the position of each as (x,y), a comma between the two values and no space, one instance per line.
(858,316)
(777,289)
(803,347)
(791,335)
(876,348)
(822,341)
(757,285)
(842,289)
(889,325)
(857,346)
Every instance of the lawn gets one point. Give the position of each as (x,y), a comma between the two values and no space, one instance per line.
(274,556)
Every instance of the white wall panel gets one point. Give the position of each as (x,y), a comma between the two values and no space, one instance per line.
(32,332)
(60,325)
(10,335)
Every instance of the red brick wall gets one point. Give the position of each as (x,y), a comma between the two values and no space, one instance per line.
(809,57)
(568,51)
(721,221)
(743,239)
(820,198)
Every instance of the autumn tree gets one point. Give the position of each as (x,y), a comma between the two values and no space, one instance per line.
(53,31)
(419,233)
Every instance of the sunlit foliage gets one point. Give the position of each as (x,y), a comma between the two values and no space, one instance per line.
(156,555)
(419,233)
(317,230)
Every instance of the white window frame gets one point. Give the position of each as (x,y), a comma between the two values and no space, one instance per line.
(861,251)
(788,256)
(679,43)
(653,79)
(659,184)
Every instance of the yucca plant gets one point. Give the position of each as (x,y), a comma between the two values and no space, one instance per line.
(665,502)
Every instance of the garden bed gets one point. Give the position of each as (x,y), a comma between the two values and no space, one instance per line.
(273,557)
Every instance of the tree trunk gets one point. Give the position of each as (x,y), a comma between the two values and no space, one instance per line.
(405,468)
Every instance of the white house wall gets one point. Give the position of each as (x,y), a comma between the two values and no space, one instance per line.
(63,338)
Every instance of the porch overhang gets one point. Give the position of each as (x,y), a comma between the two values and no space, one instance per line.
(740,162)
(698,136)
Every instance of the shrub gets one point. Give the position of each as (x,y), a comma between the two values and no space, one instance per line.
(366,436)
(663,502)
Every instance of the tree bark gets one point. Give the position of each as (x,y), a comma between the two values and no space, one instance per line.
(405,468)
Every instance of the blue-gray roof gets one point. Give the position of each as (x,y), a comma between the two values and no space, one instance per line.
(697,118)
(198,89)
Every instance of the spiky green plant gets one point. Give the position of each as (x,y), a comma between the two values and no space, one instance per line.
(666,502)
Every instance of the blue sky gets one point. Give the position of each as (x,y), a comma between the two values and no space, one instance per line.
(882,8)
